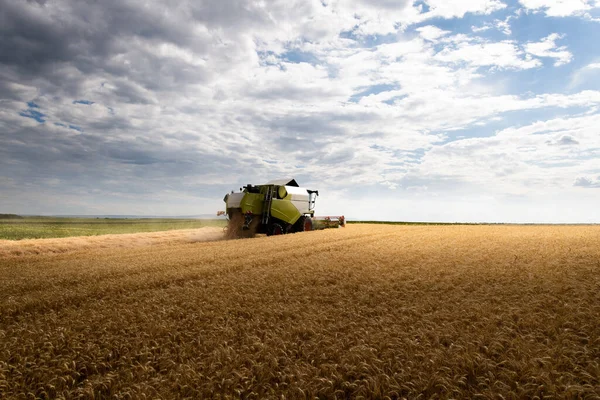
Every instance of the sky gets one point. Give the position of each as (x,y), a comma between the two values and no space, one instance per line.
(427,110)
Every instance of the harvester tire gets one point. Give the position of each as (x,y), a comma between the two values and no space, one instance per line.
(276,229)
(303,224)
(307,225)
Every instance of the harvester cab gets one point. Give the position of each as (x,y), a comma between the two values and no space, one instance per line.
(274,208)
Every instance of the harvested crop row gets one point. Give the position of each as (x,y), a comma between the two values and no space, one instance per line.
(11,248)
(446,311)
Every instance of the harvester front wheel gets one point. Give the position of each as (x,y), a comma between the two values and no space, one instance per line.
(303,224)
(276,229)
(307,225)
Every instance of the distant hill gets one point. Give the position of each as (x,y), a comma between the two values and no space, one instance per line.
(10,216)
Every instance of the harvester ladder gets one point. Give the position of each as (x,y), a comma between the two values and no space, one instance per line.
(266,211)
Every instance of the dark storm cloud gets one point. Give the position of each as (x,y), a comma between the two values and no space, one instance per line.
(10,91)
(227,13)
(130,93)
(35,34)
(30,40)
(88,161)
(59,44)
(107,54)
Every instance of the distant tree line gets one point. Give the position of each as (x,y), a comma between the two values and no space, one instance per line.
(10,216)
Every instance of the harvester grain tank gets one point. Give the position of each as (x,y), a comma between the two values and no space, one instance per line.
(275,208)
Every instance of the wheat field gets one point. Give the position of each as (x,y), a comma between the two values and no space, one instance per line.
(369,311)
(16,227)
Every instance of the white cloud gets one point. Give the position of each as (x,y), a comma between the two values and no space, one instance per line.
(431,32)
(499,24)
(585,75)
(560,8)
(216,95)
(458,9)
(547,48)
(480,53)
(384,17)
(588,182)
(504,25)
(520,161)
(482,28)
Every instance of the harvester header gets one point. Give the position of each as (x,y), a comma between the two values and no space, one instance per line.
(275,208)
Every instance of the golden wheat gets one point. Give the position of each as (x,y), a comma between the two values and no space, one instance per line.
(372,311)
(62,245)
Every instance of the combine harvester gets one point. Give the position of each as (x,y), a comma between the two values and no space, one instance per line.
(275,208)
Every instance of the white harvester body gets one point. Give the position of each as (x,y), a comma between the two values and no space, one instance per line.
(276,207)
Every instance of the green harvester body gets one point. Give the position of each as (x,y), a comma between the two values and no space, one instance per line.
(274,208)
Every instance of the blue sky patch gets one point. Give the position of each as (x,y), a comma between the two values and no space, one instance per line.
(296,56)
(375,89)
(33,114)
(395,99)
(423,5)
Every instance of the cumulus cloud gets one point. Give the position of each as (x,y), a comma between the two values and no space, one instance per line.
(560,8)
(479,52)
(452,9)
(519,160)
(431,33)
(588,182)
(502,25)
(547,48)
(482,28)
